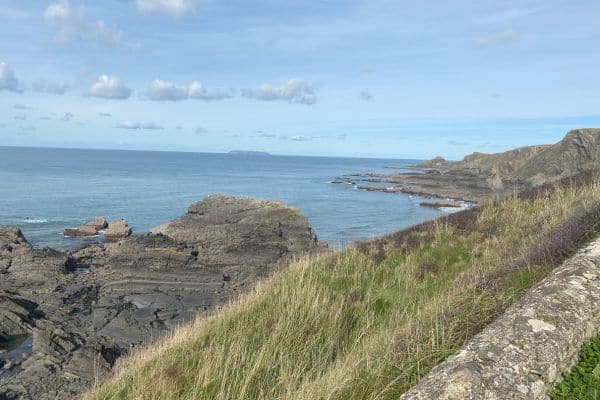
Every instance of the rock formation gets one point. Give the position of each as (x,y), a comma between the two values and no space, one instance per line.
(90,228)
(65,318)
(117,230)
(479,176)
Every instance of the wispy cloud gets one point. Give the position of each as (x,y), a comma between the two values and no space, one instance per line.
(72,26)
(503,16)
(20,117)
(152,126)
(365,95)
(104,114)
(173,8)
(129,125)
(505,36)
(458,143)
(44,86)
(364,70)
(67,117)
(20,107)
(139,125)
(293,91)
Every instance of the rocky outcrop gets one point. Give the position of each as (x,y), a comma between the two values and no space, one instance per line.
(437,162)
(522,354)
(65,318)
(117,230)
(90,228)
(578,151)
(480,176)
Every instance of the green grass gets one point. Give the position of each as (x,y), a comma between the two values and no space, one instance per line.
(583,381)
(369,321)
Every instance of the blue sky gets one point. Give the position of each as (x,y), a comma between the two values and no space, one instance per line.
(359,78)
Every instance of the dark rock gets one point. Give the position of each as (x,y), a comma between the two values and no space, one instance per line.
(139,287)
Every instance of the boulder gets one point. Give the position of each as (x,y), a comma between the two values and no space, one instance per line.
(90,228)
(117,230)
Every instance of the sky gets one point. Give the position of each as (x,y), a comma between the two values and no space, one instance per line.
(377,78)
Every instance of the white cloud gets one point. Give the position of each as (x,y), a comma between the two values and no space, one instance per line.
(505,15)
(299,138)
(294,91)
(161,90)
(109,87)
(502,37)
(129,125)
(197,91)
(151,126)
(8,81)
(67,117)
(139,125)
(365,95)
(42,85)
(364,70)
(174,8)
(166,91)
(72,26)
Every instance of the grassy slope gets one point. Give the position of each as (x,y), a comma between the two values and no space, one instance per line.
(369,321)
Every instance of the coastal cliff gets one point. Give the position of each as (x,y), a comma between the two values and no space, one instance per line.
(480,176)
(65,318)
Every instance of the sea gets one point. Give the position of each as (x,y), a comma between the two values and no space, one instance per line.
(44,190)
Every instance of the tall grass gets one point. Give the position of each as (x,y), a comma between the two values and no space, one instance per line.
(369,321)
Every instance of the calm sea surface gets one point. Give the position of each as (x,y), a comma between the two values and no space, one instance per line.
(43,191)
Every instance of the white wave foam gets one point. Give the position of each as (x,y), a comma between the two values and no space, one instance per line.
(35,220)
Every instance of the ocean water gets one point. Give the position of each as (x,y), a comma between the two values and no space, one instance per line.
(43,191)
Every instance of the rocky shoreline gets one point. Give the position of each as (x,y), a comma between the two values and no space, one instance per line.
(482,176)
(66,317)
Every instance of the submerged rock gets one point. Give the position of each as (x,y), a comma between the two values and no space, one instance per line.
(79,324)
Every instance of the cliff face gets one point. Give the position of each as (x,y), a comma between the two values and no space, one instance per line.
(579,150)
(505,164)
(65,318)
(480,176)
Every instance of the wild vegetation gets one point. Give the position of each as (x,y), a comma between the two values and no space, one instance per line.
(369,321)
(583,381)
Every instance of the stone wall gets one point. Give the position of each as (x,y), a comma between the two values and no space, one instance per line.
(523,353)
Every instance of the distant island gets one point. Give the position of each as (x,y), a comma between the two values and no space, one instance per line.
(249,153)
